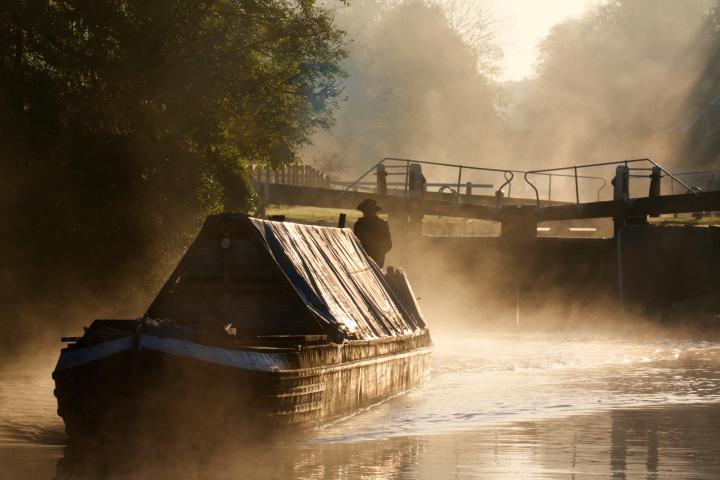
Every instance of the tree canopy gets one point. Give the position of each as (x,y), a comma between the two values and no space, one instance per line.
(122,122)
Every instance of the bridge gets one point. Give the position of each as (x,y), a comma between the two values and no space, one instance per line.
(591,196)
(638,265)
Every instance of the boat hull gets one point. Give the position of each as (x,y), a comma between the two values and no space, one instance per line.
(153,385)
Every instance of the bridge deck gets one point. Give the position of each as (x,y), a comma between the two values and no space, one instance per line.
(484,206)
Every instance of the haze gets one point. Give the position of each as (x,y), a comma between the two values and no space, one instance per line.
(526,23)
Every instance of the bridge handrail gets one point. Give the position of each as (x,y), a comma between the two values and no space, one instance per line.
(508,173)
(408,161)
(699,172)
(396,184)
(601,164)
(585,177)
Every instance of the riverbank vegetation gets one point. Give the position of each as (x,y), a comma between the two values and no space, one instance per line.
(123,123)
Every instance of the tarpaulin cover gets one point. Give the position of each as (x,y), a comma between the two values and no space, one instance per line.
(333,275)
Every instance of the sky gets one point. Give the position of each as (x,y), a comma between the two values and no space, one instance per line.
(526,22)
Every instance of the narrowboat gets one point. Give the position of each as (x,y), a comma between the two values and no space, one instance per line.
(262,324)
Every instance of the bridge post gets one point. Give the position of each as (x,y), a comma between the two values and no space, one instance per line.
(415,180)
(621,183)
(415,214)
(381,180)
(621,193)
(518,230)
(655,178)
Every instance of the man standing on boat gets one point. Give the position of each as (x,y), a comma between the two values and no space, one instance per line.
(373,232)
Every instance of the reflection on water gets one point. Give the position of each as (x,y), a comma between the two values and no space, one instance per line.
(497,407)
(679,441)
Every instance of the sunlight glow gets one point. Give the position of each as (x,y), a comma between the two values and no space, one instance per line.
(525,23)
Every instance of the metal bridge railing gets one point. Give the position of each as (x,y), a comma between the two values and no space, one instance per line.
(575,176)
(708,173)
(403,169)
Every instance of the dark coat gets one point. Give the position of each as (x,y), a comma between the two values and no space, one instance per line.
(374,235)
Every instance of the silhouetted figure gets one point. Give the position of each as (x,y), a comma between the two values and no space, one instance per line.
(374,233)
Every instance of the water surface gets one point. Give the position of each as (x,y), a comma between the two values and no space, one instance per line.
(498,406)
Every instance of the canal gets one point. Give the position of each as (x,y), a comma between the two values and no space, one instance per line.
(498,406)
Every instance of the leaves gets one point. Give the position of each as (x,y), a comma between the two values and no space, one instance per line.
(123,122)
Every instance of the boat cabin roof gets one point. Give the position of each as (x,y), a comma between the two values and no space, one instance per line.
(264,278)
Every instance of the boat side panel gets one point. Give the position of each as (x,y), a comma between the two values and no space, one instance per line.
(348,387)
(164,389)
(324,355)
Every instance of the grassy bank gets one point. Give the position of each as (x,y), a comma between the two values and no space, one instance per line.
(432,224)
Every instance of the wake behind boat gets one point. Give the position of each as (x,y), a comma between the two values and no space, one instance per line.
(261,324)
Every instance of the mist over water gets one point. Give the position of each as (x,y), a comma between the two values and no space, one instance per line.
(495,400)
(487,379)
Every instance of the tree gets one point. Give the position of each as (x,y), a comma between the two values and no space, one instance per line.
(613,83)
(123,122)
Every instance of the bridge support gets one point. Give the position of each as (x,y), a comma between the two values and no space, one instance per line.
(518,225)
(621,192)
(518,229)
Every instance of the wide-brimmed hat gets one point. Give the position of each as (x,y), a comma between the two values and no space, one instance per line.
(368,205)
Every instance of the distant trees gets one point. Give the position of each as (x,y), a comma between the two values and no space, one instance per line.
(701,128)
(416,88)
(122,122)
(615,83)
(628,78)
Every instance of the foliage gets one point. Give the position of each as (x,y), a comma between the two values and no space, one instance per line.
(123,121)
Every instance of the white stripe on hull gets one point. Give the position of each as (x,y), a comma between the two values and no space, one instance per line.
(244,359)
(247,360)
